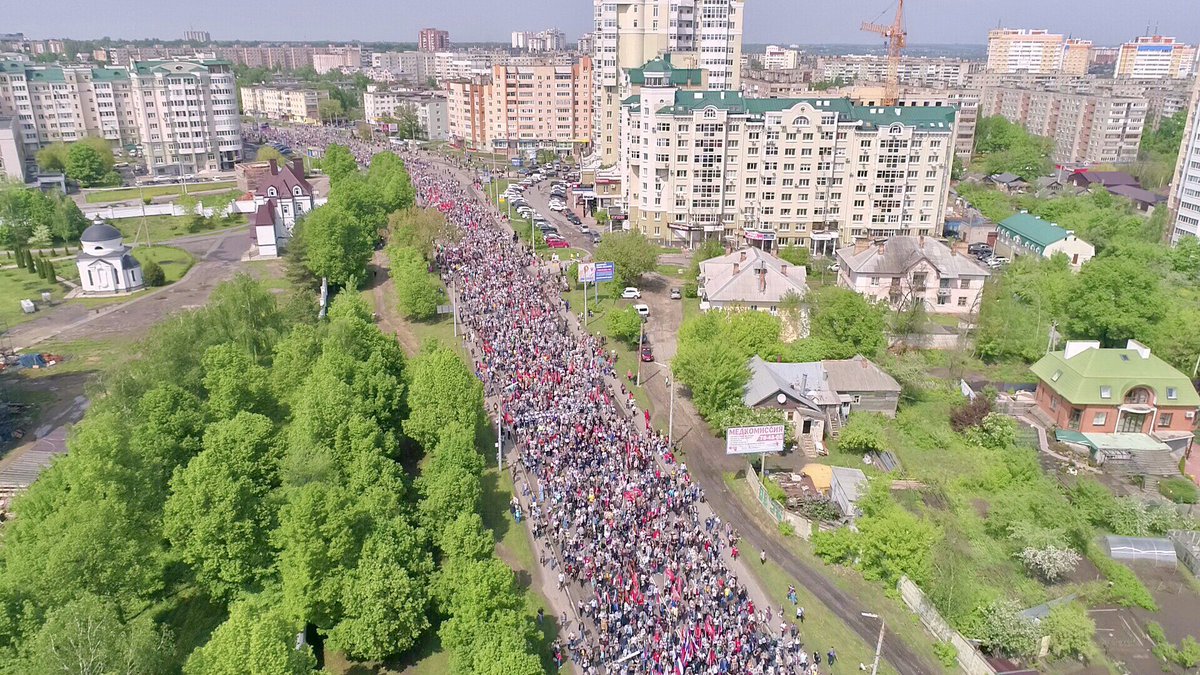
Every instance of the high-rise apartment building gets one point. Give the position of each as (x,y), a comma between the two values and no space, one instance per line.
(1184,200)
(187,116)
(1154,57)
(1076,56)
(630,33)
(816,172)
(67,103)
(290,104)
(433,40)
(1024,51)
(780,58)
(12,150)
(335,58)
(431,109)
(198,36)
(1101,127)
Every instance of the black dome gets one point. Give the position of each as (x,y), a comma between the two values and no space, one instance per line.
(100,232)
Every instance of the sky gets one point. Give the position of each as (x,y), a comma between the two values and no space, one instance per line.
(780,21)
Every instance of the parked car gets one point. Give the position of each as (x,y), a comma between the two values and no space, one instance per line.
(644,310)
(595,237)
(647,354)
(676,294)
(574,219)
(557,243)
(557,206)
(630,293)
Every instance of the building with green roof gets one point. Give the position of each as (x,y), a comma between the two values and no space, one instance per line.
(1092,389)
(1027,234)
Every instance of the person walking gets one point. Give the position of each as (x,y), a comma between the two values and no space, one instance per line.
(762,557)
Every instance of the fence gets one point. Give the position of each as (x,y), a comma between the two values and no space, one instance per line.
(802,526)
(118,212)
(969,657)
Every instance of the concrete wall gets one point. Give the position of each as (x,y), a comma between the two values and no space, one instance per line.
(969,658)
(802,526)
(120,212)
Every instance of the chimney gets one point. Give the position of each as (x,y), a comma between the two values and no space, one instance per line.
(881,247)
(742,258)
(860,245)
(783,268)
(736,266)
(298,167)
(274,166)
(921,241)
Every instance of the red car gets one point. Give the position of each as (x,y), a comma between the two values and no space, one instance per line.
(647,355)
(557,243)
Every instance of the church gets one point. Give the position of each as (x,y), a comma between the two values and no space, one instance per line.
(105,264)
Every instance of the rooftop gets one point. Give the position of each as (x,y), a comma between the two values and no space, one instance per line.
(1086,374)
(751,275)
(925,117)
(897,255)
(1033,229)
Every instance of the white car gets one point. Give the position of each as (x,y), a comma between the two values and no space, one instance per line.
(631,293)
(644,310)
(557,206)
(584,228)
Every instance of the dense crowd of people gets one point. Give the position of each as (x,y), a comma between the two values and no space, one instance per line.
(646,569)
(302,139)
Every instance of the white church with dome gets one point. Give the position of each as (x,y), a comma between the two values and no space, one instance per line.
(105,264)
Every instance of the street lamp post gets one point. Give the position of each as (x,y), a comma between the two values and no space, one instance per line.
(879,643)
(671,409)
(641,334)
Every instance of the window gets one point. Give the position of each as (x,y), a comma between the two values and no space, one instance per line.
(1105,392)
(874,281)
(856,399)
(965,283)
(1172,393)
(1164,419)
(962,302)
(1100,419)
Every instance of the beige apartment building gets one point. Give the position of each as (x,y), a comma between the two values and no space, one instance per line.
(289,104)
(1024,51)
(813,172)
(12,150)
(526,107)
(1076,56)
(1154,57)
(431,109)
(630,33)
(1087,128)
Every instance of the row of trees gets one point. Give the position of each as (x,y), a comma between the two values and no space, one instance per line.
(413,233)
(88,162)
(33,217)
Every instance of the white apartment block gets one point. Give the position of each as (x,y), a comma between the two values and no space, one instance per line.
(918,71)
(550,40)
(630,33)
(12,150)
(411,66)
(1184,199)
(1087,128)
(284,103)
(432,109)
(336,58)
(1154,57)
(187,117)
(1024,51)
(780,58)
(815,173)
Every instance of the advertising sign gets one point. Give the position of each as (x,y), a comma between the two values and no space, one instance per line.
(605,271)
(754,440)
(587,272)
(754,235)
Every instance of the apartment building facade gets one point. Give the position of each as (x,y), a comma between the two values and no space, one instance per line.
(1154,57)
(780,58)
(1087,128)
(67,103)
(915,71)
(1184,199)
(12,150)
(284,103)
(433,40)
(466,111)
(1076,56)
(431,108)
(1024,51)
(186,115)
(815,173)
(630,33)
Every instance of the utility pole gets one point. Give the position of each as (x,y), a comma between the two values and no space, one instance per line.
(879,643)
(637,355)
(671,409)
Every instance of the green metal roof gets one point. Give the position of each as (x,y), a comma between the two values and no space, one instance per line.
(1082,378)
(109,74)
(1033,230)
(662,66)
(926,117)
(45,75)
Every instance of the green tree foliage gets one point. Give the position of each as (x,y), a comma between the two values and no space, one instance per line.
(418,291)
(85,165)
(890,541)
(153,275)
(234,382)
(220,512)
(863,433)
(338,163)
(337,245)
(88,636)
(266,153)
(442,391)
(624,324)
(632,255)
(847,322)
(1001,628)
(53,158)
(419,229)
(257,639)
(714,371)
(22,211)
(1115,299)
(389,178)
(1007,147)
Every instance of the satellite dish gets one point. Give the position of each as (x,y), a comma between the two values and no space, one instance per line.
(782,398)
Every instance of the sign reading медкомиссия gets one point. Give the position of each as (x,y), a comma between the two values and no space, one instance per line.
(754,440)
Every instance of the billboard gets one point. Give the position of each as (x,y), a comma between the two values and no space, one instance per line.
(587,272)
(605,271)
(754,440)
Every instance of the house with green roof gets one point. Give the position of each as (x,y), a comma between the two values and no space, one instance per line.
(1027,234)
(1091,389)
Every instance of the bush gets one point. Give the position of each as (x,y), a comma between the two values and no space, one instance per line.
(153,275)
(786,529)
(946,654)
(1070,630)
(1186,655)
(624,324)
(1179,490)
(774,491)
(996,431)
(970,414)
(1001,628)
(863,433)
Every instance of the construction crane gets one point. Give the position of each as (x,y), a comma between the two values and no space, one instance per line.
(897,39)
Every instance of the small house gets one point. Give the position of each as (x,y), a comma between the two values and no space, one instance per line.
(1026,234)
(749,278)
(902,271)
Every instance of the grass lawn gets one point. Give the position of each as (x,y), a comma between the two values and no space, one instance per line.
(137,193)
(175,262)
(17,284)
(162,228)
(82,355)
(270,274)
(210,199)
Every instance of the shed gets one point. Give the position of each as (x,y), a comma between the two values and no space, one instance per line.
(845,487)
(1150,549)
(1187,548)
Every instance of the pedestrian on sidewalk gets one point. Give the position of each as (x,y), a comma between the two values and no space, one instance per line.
(541,616)
(762,557)
(831,657)
(800,614)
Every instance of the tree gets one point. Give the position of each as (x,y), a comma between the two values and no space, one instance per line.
(68,221)
(995,431)
(1071,630)
(337,245)
(338,163)
(220,511)
(1116,299)
(235,383)
(256,639)
(796,255)
(863,433)
(85,165)
(632,255)
(714,371)
(602,220)
(86,636)
(266,153)
(408,124)
(624,324)
(418,291)
(1001,628)
(153,275)
(442,391)
(846,319)
(419,229)
(1050,563)
(53,158)
(330,109)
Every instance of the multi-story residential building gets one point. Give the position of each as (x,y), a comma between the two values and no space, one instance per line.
(292,104)
(12,150)
(1076,56)
(903,271)
(780,58)
(1184,200)
(433,40)
(431,109)
(186,114)
(410,66)
(1154,57)
(1087,128)
(1024,51)
(200,36)
(793,172)
(466,109)
(913,71)
(586,44)
(67,103)
(629,33)
(458,65)
(336,58)
(550,40)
